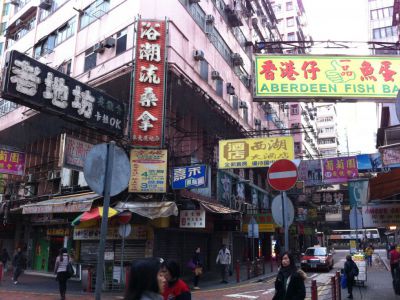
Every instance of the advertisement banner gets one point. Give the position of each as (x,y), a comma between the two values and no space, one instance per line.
(149,85)
(192,219)
(12,162)
(73,153)
(254,152)
(138,232)
(371,163)
(348,77)
(149,171)
(340,169)
(383,215)
(329,197)
(310,171)
(358,192)
(224,188)
(391,156)
(189,177)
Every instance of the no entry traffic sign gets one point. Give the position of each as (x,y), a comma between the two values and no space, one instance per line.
(282,175)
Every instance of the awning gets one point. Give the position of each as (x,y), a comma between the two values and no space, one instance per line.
(151,210)
(385,185)
(211,207)
(62,204)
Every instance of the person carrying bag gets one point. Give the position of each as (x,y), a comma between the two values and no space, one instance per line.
(64,270)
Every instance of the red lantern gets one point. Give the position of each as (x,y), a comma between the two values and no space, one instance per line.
(124,217)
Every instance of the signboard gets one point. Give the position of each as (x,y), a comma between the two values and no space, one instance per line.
(383,215)
(358,192)
(254,153)
(370,163)
(340,169)
(12,162)
(73,153)
(192,219)
(224,188)
(329,197)
(348,77)
(252,229)
(149,171)
(333,214)
(265,222)
(149,84)
(189,177)
(390,156)
(310,171)
(138,232)
(282,175)
(35,85)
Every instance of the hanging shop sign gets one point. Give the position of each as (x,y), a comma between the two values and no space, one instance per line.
(149,84)
(148,171)
(35,85)
(192,219)
(265,222)
(358,192)
(254,153)
(383,215)
(58,231)
(391,156)
(12,162)
(341,169)
(330,198)
(138,232)
(224,188)
(347,77)
(310,172)
(371,163)
(189,177)
(73,153)
(333,213)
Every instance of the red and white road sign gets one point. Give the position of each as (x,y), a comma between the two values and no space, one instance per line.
(282,175)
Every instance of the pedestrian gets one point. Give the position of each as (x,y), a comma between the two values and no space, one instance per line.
(146,280)
(19,265)
(277,250)
(198,268)
(394,257)
(351,271)
(224,260)
(60,269)
(4,258)
(368,252)
(289,283)
(176,288)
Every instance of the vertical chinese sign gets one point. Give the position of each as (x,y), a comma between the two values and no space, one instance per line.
(12,162)
(341,169)
(149,85)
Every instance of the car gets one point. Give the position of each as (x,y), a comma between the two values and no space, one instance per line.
(317,258)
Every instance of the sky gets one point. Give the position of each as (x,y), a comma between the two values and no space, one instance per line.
(345,20)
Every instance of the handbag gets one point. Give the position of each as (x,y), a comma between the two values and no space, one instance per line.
(70,270)
(343,281)
(198,271)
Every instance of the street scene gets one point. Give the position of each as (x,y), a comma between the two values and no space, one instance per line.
(199,149)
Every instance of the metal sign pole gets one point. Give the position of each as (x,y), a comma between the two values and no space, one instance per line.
(104,220)
(284,223)
(252,240)
(122,256)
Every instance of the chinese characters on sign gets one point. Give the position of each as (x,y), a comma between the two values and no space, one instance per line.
(74,153)
(372,77)
(138,232)
(341,169)
(383,215)
(189,177)
(148,97)
(254,153)
(192,219)
(390,156)
(336,198)
(33,84)
(149,171)
(12,162)
(310,171)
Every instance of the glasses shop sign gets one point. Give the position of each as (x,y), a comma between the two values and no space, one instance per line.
(35,85)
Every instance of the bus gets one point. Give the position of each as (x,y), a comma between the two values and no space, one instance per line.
(341,238)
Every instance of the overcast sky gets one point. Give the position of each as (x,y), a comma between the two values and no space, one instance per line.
(345,20)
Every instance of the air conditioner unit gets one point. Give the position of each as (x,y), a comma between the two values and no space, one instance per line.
(237,60)
(29,177)
(98,48)
(109,42)
(248,80)
(254,21)
(198,55)
(193,1)
(29,191)
(56,174)
(242,104)
(235,102)
(45,4)
(15,2)
(230,90)
(296,125)
(215,75)
(257,122)
(50,175)
(210,19)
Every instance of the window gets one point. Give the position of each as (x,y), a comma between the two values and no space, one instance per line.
(43,13)
(90,59)
(277,8)
(219,87)
(3,27)
(289,5)
(93,12)
(246,115)
(290,22)
(65,31)
(291,36)
(65,67)
(294,109)
(204,70)
(1,48)
(6,9)
(297,147)
(384,32)
(121,42)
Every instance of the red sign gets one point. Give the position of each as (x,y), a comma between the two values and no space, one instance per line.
(12,162)
(149,88)
(282,175)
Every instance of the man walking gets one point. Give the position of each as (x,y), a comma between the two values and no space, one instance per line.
(350,270)
(224,259)
(19,264)
(4,258)
(369,251)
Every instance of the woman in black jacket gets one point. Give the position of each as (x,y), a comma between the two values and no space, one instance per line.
(289,284)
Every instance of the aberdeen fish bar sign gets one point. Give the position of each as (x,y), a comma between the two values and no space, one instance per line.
(340,77)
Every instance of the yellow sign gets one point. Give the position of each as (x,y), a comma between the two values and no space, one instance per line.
(254,153)
(352,77)
(261,228)
(148,171)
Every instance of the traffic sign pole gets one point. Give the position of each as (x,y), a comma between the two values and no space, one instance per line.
(285,223)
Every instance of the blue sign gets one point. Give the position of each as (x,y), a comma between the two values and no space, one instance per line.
(190,177)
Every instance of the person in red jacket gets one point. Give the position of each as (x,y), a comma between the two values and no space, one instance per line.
(394,260)
(176,288)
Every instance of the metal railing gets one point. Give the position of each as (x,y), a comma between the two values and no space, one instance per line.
(325,291)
